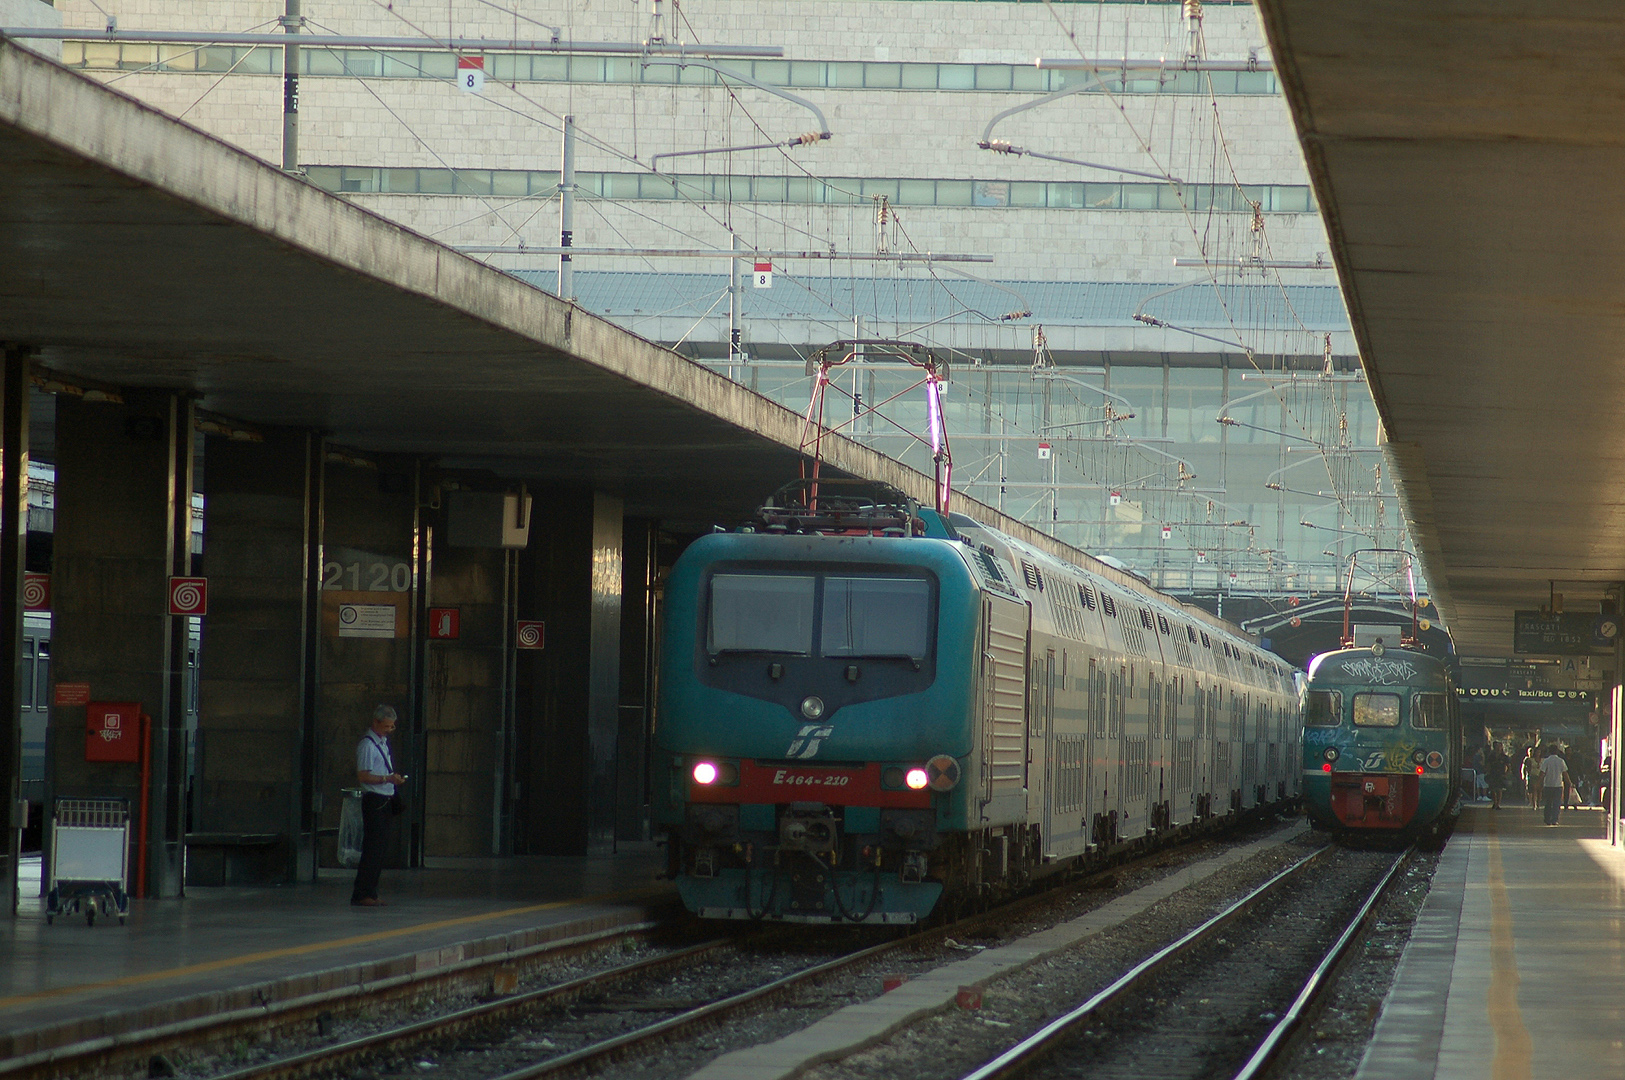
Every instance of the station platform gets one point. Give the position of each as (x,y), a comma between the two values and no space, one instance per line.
(219,949)
(1516,967)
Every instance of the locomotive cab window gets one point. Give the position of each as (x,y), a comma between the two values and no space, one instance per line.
(876,617)
(761,613)
(1376,710)
(1430,711)
(1323,708)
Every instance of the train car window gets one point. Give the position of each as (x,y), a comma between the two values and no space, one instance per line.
(1376,710)
(876,616)
(767,613)
(1430,711)
(1323,708)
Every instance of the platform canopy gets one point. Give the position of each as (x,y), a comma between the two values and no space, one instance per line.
(1466,159)
(137,251)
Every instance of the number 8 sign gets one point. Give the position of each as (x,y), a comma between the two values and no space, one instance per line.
(471,74)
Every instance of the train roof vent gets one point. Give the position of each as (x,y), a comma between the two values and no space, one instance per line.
(1191,633)
(1206,644)
(1035,579)
(1108,605)
(990,564)
(1145,619)
(1162,624)
(1087,595)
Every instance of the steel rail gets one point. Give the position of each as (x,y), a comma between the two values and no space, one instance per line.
(1023,1053)
(451,1023)
(1315,985)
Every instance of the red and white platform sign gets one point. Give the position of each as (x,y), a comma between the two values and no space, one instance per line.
(764,275)
(188,596)
(471,74)
(530,634)
(36,592)
(443,623)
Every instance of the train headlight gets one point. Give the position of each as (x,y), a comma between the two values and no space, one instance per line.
(1331,753)
(942,772)
(1418,757)
(812,707)
(917,779)
(705,773)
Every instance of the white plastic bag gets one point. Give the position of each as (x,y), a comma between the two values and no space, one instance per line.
(351,832)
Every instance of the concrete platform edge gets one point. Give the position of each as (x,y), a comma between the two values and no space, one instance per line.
(857,1027)
(1405,1043)
(89,1034)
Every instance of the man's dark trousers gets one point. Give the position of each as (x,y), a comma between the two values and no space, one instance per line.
(376,821)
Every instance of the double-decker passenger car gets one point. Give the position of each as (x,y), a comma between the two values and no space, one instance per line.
(1381,743)
(870,704)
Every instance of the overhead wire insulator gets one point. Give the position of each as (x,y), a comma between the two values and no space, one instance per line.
(807,138)
(1000,146)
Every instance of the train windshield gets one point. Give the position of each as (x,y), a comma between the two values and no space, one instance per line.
(1430,711)
(1376,710)
(1323,708)
(768,613)
(876,616)
(860,617)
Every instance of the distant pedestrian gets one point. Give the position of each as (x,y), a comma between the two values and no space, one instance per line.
(375,772)
(1496,763)
(1554,774)
(1531,776)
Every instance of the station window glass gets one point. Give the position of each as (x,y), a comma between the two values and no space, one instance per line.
(1323,708)
(765,613)
(1376,710)
(25,673)
(1430,711)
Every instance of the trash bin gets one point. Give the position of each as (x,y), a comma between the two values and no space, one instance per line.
(351,829)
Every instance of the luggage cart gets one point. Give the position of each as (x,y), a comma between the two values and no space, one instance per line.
(90,852)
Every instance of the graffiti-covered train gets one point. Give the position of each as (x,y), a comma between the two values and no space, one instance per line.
(867,707)
(1382,743)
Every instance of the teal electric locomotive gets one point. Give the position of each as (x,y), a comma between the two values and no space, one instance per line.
(1381,743)
(868,705)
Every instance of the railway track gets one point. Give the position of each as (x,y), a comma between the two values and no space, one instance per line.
(1225,997)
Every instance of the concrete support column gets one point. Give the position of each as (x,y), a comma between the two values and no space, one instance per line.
(371,563)
(637,690)
(13,534)
(262,505)
(568,695)
(123,526)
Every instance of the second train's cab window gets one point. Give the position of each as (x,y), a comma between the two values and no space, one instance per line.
(1376,710)
(764,613)
(1322,708)
(1430,711)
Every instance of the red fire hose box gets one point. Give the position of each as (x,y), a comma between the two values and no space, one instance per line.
(113,731)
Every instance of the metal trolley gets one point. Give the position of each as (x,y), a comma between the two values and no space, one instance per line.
(90,859)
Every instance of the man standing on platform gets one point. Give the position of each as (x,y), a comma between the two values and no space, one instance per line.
(1554,773)
(375,772)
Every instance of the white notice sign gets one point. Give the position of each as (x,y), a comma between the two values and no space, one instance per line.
(367,620)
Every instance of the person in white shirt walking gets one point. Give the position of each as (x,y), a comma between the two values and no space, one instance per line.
(375,772)
(1554,773)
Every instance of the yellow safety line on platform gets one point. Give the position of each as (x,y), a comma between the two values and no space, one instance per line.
(1514,1049)
(300,950)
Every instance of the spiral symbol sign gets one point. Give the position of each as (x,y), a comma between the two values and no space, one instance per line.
(36,592)
(188,595)
(530,635)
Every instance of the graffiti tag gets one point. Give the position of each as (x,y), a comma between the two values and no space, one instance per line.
(1380,671)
